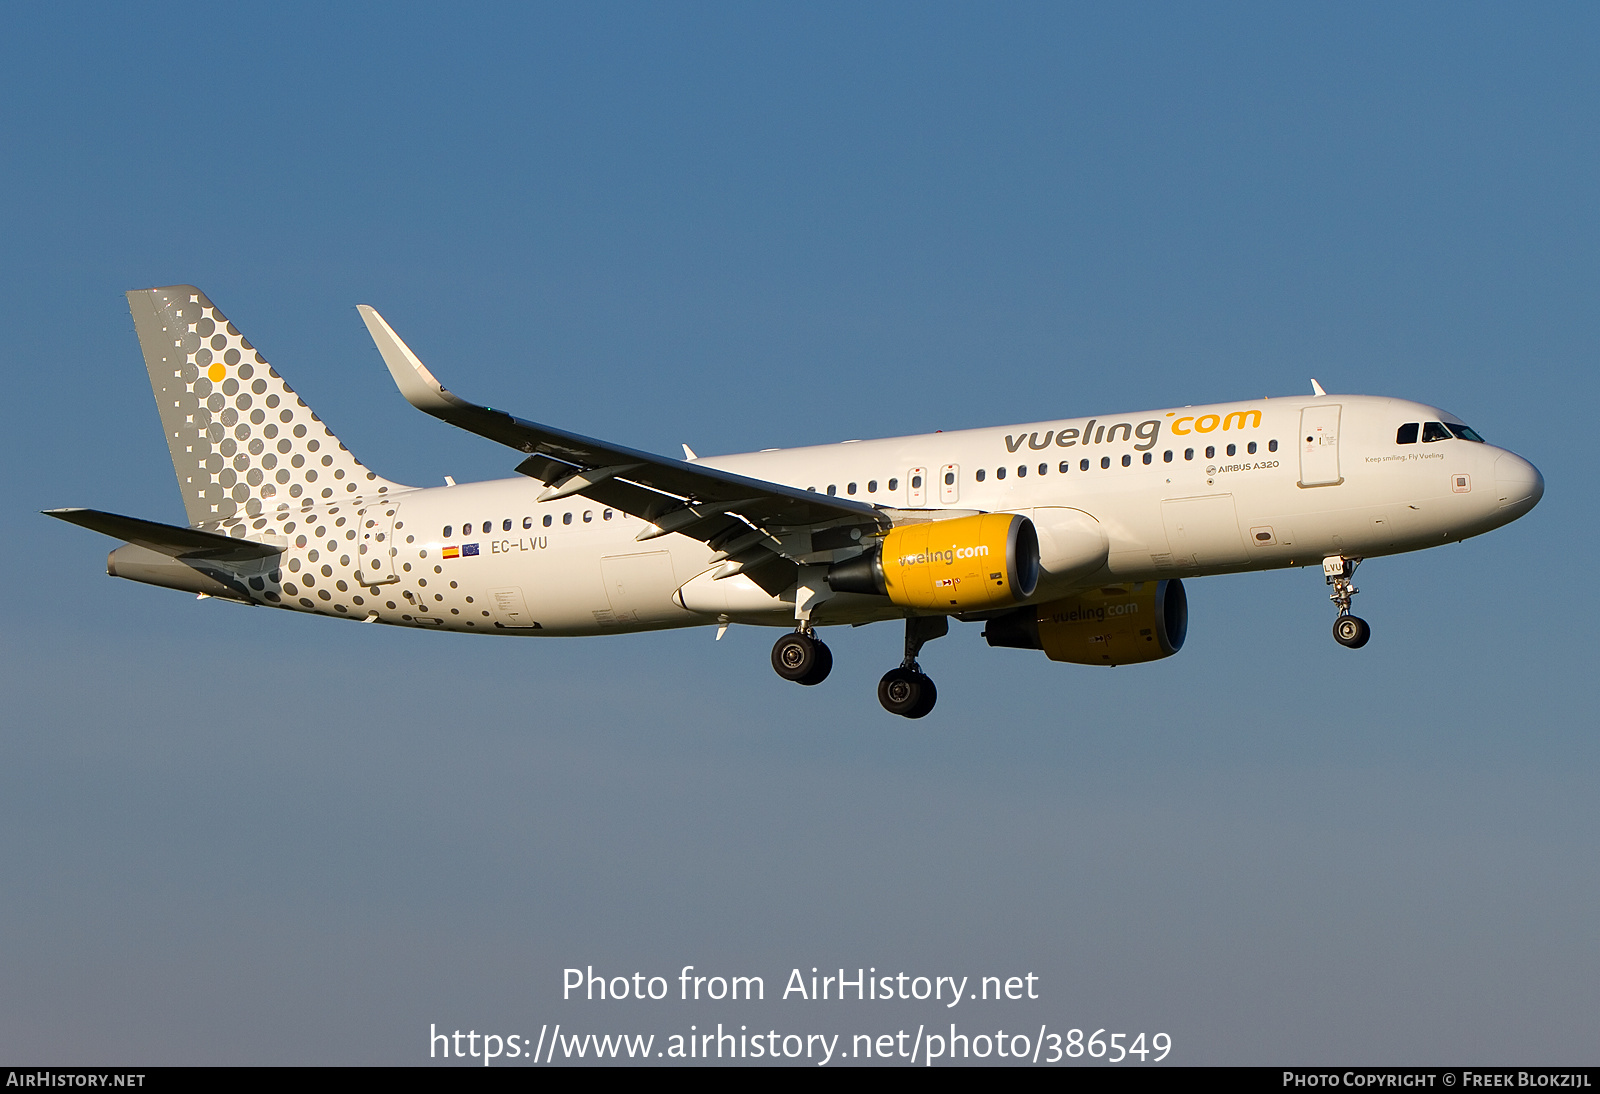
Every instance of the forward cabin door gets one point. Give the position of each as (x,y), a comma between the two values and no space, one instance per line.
(1319,445)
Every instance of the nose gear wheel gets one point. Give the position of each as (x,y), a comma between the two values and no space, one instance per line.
(1350,631)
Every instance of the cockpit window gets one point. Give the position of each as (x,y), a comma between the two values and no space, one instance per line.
(1466,433)
(1407,434)
(1434,431)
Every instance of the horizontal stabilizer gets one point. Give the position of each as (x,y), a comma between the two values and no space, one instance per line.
(166,539)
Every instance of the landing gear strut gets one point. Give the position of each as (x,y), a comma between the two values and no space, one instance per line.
(1348,630)
(802,657)
(905,690)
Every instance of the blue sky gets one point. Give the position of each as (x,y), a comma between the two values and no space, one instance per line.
(238,836)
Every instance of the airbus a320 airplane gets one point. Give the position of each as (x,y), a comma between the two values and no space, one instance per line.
(1069,536)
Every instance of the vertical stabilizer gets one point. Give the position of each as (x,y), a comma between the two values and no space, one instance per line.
(242,441)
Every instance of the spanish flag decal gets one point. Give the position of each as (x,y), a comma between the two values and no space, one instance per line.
(452,552)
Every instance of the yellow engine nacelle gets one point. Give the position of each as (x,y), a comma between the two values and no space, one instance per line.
(1114,625)
(966,564)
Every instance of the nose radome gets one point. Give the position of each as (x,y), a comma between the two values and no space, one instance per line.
(1517,483)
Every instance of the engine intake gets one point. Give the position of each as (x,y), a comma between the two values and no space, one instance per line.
(966,564)
(1115,625)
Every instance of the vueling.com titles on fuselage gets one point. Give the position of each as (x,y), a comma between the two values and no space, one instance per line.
(1148,432)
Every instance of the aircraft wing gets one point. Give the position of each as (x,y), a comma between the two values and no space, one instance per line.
(749,520)
(166,539)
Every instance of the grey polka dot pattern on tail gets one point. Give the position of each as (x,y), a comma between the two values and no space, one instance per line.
(214,390)
(253,461)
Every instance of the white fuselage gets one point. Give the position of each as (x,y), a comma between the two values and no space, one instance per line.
(1173,498)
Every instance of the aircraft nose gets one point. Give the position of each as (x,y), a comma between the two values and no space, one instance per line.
(1518,484)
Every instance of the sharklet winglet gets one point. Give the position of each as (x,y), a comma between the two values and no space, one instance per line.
(419,386)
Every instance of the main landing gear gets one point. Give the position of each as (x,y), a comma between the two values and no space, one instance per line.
(1348,630)
(802,657)
(905,690)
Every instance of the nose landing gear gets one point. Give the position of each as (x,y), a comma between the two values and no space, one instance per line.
(906,691)
(802,657)
(1348,630)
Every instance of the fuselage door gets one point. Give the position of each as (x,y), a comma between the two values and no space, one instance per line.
(917,486)
(376,549)
(1319,445)
(949,484)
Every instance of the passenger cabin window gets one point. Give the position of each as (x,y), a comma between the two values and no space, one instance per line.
(1022,472)
(1407,434)
(1147,457)
(949,478)
(505,525)
(1272,446)
(1211,451)
(1127,461)
(1166,457)
(1066,466)
(1233,450)
(588,515)
(832,490)
(527,522)
(872,486)
(1251,448)
(980,475)
(1434,431)
(851,489)
(446,531)
(1044,469)
(1083,465)
(548,520)
(1188,453)
(566,518)
(1105,461)
(916,483)
(999,472)
(894,484)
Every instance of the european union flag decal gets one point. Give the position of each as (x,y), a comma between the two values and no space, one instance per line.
(468,549)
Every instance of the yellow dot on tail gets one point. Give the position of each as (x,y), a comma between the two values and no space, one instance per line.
(217,372)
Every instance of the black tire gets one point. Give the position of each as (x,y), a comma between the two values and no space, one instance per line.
(930,696)
(819,671)
(1351,632)
(906,693)
(795,656)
